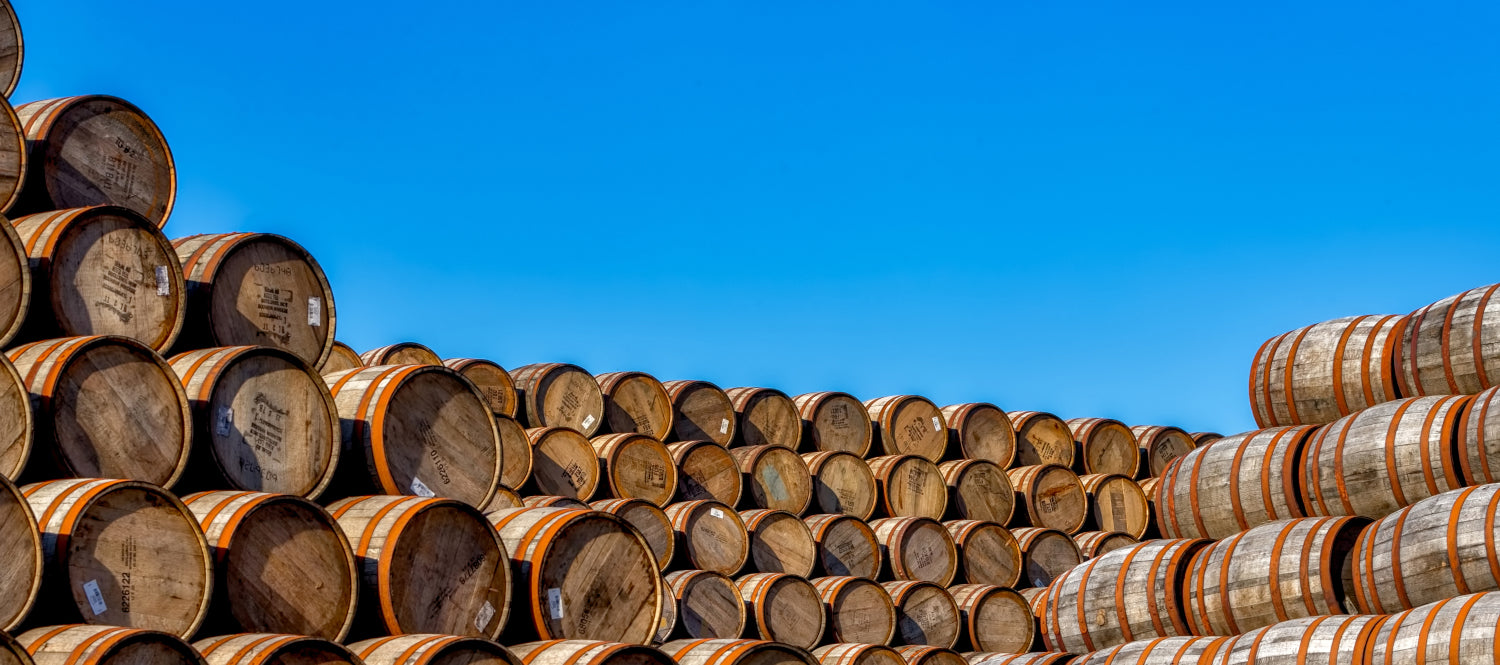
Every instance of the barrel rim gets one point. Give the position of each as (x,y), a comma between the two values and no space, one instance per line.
(43,144)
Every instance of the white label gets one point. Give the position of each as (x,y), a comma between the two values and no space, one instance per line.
(223,421)
(724,426)
(96,597)
(486,613)
(315,311)
(554,603)
(588,421)
(716,513)
(935,426)
(420,488)
(163,285)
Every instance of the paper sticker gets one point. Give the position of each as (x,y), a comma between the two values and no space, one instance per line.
(724,426)
(716,513)
(588,421)
(163,285)
(486,613)
(554,603)
(420,488)
(223,421)
(935,426)
(96,597)
(315,311)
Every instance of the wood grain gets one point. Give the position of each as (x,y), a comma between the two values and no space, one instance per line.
(635,402)
(1319,373)
(834,421)
(980,431)
(847,546)
(908,425)
(782,608)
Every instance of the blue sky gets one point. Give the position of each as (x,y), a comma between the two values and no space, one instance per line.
(1095,209)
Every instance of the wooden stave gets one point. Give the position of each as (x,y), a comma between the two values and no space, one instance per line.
(1086,432)
(667,621)
(426,649)
(996,504)
(620,419)
(400,353)
(11,651)
(963,531)
(883,411)
(781,422)
(1160,445)
(1456,330)
(1320,640)
(685,429)
(659,535)
(921,654)
(848,653)
(1095,484)
(733,652)
(590,405)
(1319,373)
(516,458)
(93,645)
(821,527)
(505,497)
(727,485)
(802,554)
(16,448)
(341,357)
(1023,478)
(1467,622)
(912,626)
(587,652)
(1201,439)
(1193,501)
(17,305)
(834,589)
(1095,543)
(971,599)
(576,480)
(547,501)
(828,489)
(685,515)
(1479,440)
(611,450)
(12,132)
(961,445)
(892,532)
(1034,658)
(682,583)
(1420,554)
(1034,451)
(273,648)
(756,591)
(921,478)
(21,587)
(810,406)
(796,490)
(1028,538)
(498,388)
(1153,571)
(1163,651)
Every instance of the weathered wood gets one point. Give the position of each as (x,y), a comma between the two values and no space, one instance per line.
(1095,543)
(978,490)
(710,535)
(847,546)
(505,497)
(1233,484)
(834,421)
(648,519)
(1440,547)
(782,608)
(493,382)
(588,652)
(925,614)
(1036,597)
(1045,555)
(779,542)
(432,650)
(980,431)
(1104,445)
(1201,439)
(563,463)
(857,654)
(735,652)
(559,395)
(666,623)
(908,425)
(1460,630)
(1162,651)
(1322,640)
(94,150)
(274,649)
(1160,445)
(15,283)
(400,353)
(635,402)
(516,455)
(859,611)
(1049,496)
(708,605)
(987,553)
(916,548)
(12,50)
(701,411)
(635,466)
(1274,572)
(17,424)
(1319,373)
(543,501)
(775,477)
(1126,595)
(909,486)
(1042,438)
(21,550)
(765,417)
(106,645)
(1479,439)
(341,356)
(1451,347)
(705,470)
(120,553)
(1116,503)
(11,651)
(1037,658)
(1384,458)
(994,619)
(921,654)
(842,483)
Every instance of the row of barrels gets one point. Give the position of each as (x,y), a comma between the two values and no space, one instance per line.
(1322,372)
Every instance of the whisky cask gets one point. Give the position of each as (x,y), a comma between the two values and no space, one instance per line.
(710,536)
(921,654)
(255,289)
(341,356)
(418,430)
(782,608)
(765,417)
(916,548)
(834,421)
(12,133)
(263,420)
(1035,658)
(1162,651)
(1104,445)
(708,604)
(779,542)
(106,645)
(516,459)
(94,150)
(17,425)
(1459,630)
(909,486)
(15,283)
(1094,543)
(11,651)
(842,483)
(847,546)
(101,271)
(493,382)
(1384,458)
(1036,598)
(21,550)
(987,553)
(907,425)
(1126,595)
(1319,373)
(583,574)
(701,411)
(400,353)
(774,478)
(425,566)
(857,654)
(1479,440)
(1234,484)
(735,652)
(666,623)
(1440,547)
(12,50)
(993,619)
(635,466)
(1204,438)
(432,649)
(859,611)
(978,490)
(705,470)
(1451,347)
(587,652)
(1116,503)
(1321,640)
(559,395)
(1049,496)
(980,431)
(120,553)
(651,521)
(505,497)
(1045,555)
(543,501)
(1160,445)
(925,614)
(269,551)
(1274,572)
(635,402)
(563,463)
(1042,438)
(274,649)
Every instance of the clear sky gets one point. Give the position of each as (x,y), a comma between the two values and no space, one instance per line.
(1094,209)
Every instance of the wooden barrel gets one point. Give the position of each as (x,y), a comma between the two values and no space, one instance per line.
(1034,658)
(432,650)
(263,420)
(493,382)
(255,289)
(765,417)
(1457,630)
(106,645)
(834,421)
(505,497)
(419,430)
(563,463)
(515,452)
(1049,496)
(18,425)
(1045,555)
(916,548)
(341,356)
(12,50)
(1204,438)
(1274,572)
(635,466)
(779,542)
(1126,595)
(987,553)
(1448,347)
(269,550)
(648,519)
(1479,440)
(635,402)
(1036,597)
(21,550)
(775,477)
(1159,447)
(1384,458)
(978,490)
(701,411)
(584,574)
(120,553)
(1233,484)
(1116,503)
(11,651)
(735,652)
(587,652)
(993,619)
(710,535)
(859,611)
(667,621)
(1162,651)
(925,614)
(908,425)
(921,654)
(559,395)
(94,150)
(705,470)
(1094,543)
(543,501)
(842,483)
(1042,438)
(782,608)
(1319,373)
(708,604)
(1322,640)
(847,546)
(400,353)
(1104,445)
(274,649)
(426,566)
(857,654)
(1439,547)
(15,282)
(980,431)
(909,486)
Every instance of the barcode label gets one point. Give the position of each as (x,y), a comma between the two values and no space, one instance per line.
(588,421)
(936,427)
(724,426)
(716,513)
(223,421)
(315,311)
(421,489)
(554,603)
(486,613)
(163,285)
(95,596)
